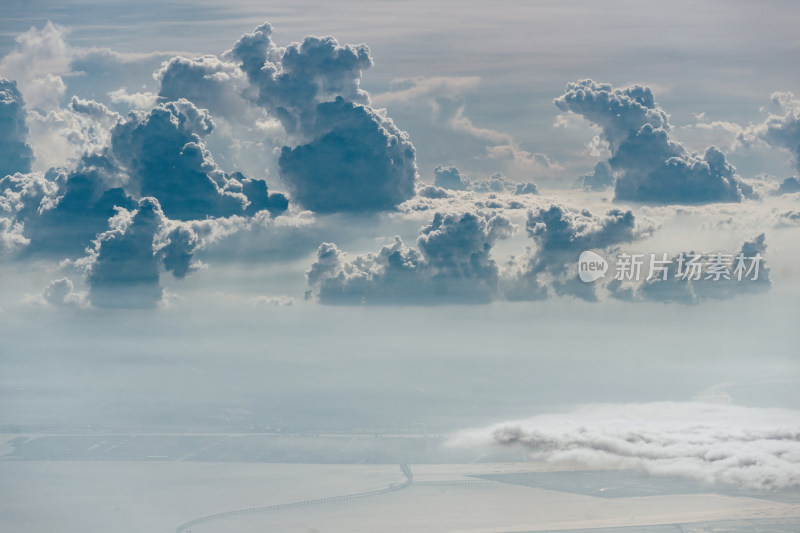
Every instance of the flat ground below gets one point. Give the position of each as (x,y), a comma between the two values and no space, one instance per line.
(157,496)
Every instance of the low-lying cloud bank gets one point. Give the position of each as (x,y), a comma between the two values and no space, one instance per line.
(453,261)
(713,443)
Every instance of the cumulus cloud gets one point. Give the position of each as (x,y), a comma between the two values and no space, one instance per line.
(649,166)
(158,154)
(144,100)
(276,301)
(361,163)
(449,178)
(124,269)
(124,264)
(780,130)
(349,157)
(38,61)
(453,261)
(11,237)
(498,183)
(526,188)
(451,264)
(292,80)
(678,283)
(788,186)
(59,136)
(599,179)
(165,156)
(209,82)
(62,136)
(61,293)
(431,191)
(744,447)
(15,154)
(495,183)
(63,223)
(560,235)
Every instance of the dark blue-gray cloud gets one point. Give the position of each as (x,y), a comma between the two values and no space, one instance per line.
(158,157)
(361,162)
(125,271)
(527,187)
(451,264)
(599,179)
(789,186)
(65,225)
(432,191)
(560,235)
(781,131)
(60,212)
(291,81)
(349,158)
(449,178)
(649,166)
(497,183)
(158,154)
(688,290)
(15,154)
(125,263)
(165,156)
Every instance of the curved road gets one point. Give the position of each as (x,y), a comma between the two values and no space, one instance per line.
(391,488)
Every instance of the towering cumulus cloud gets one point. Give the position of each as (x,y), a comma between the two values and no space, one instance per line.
(140,204)
(15,154)
(452,265)
(349,157)
(124,263)
(165,156)
(125,270)
(649,166)
(158,154)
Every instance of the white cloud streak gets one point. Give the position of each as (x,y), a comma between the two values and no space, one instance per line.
(741,446)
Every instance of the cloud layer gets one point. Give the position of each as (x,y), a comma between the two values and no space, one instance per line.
(746,447)
(452,264)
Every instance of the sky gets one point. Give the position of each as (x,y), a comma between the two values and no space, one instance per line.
(347,215)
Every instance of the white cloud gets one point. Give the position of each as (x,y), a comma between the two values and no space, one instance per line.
(412,89)
(37,63)
(714,443)
(143,100)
